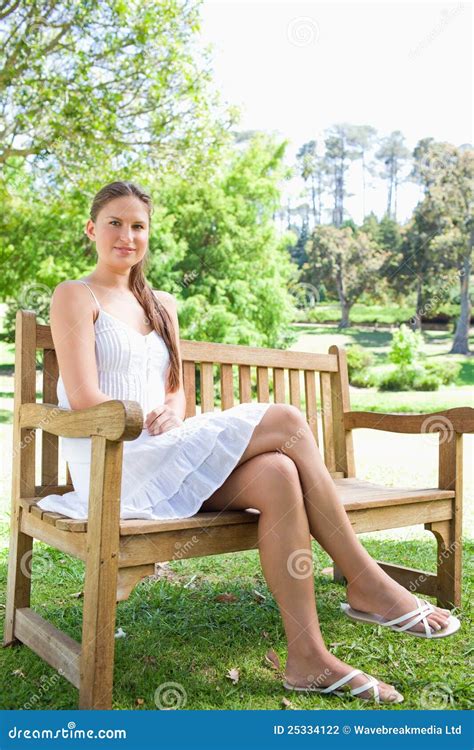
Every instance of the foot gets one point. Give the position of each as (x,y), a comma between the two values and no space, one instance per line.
(322,671)
(379,594)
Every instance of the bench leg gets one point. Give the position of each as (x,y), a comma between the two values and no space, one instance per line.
(448,584)
(337,576)
(100,588)
(19,576)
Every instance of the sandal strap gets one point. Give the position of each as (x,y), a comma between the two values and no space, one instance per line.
(342,681)
(371,684)
(423,609)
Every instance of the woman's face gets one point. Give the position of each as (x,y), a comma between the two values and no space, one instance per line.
(121,231)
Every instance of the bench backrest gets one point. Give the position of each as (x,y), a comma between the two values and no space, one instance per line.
(214,375)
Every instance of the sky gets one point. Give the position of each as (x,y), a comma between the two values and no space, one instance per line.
(297,68)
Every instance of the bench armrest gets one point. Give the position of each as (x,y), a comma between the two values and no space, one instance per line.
(460,419)
(113,420)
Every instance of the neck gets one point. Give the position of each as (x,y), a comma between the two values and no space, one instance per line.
(111,278)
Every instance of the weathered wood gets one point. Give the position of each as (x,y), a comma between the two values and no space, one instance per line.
(72,544)
(100,586)
(114,420)
(119,553)
(311,405)
(449,533)
(189,382)
(207,386)
(49,447)
(232,354)
(279,395)
(459,419)
(343,446)
(295,393)
(396,516)
(53,646)
(128,578)
(227,386)
(327,421)
(52,489)
(245,384)
(23,474)
(263,390)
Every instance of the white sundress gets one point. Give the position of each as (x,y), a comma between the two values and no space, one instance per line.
(168,475)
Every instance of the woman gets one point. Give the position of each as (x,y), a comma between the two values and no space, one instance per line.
(235,459)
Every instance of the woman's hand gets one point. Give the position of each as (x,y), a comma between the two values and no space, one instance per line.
(162,419)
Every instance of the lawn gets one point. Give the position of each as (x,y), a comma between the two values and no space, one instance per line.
(179,628)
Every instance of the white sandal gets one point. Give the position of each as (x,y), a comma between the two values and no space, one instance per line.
(419,614)
(371,684)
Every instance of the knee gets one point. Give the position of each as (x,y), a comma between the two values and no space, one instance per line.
(281,479)
(292,423)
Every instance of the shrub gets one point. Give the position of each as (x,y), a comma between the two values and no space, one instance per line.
(396,380)
(358,359)
(406,346)
(446,371)
(426,382)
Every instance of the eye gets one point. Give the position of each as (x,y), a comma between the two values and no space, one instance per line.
(140,226)
(114,221)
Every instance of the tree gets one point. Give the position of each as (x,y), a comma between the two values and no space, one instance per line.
(393,153)
(216,246)
(347,261)
(446,174)
(90,83)
(340,152)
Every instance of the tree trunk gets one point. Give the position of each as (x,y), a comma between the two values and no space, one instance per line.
(345,310)
(419,305)
(461,337)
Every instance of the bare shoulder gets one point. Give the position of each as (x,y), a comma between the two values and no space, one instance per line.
(165,297)
(70,291)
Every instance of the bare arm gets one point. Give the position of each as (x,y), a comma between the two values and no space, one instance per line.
(72,329)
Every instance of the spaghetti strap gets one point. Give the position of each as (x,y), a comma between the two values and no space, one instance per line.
(87,285)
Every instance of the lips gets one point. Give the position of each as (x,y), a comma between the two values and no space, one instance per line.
(125,249)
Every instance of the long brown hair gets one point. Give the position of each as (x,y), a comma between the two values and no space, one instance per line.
(155,311)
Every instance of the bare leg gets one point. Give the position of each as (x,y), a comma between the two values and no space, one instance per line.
(270,483)
(283,428)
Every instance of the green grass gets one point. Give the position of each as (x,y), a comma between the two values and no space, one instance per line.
(177,631)
(330,312)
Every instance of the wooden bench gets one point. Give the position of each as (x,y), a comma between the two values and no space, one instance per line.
(117,554)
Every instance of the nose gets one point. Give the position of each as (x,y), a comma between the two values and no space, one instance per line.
(126,234)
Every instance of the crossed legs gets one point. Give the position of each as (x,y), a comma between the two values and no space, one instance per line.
(282,474)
